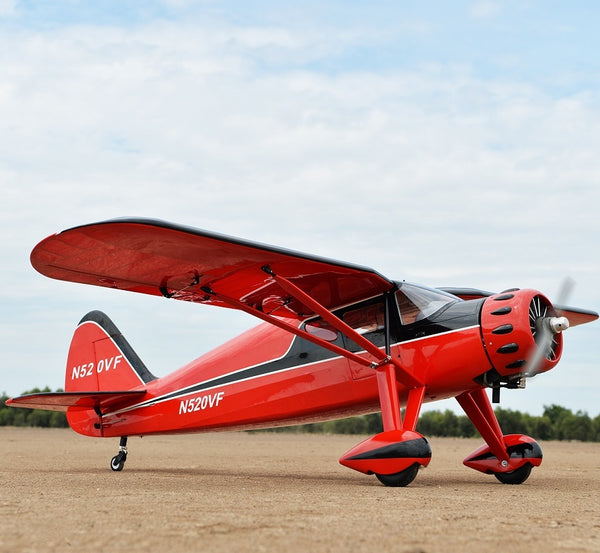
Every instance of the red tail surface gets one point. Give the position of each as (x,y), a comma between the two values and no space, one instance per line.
(100,359)
(103,373)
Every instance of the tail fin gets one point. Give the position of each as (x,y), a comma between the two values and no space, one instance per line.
(103,373)
(100,358)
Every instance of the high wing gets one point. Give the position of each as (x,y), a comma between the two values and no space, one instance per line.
(159,258)
(279,286)
(61,401)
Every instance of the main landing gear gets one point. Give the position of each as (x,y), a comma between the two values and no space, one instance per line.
(509,457)
(395,455)
(118,461)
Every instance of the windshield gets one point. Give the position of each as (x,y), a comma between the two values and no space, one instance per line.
(419,302)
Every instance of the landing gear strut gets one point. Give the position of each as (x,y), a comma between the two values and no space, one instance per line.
(118,461)
(396,454)
(509,457)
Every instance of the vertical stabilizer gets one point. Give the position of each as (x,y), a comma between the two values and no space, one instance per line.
(101,359)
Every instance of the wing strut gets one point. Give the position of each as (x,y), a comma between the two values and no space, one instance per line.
(381,359)
(271,319)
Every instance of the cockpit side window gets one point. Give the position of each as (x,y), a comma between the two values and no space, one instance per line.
(367,318)
(370,318)
(322,330)
(408,310)
(416,303)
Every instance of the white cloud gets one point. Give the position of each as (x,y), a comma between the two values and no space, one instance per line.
(7,7)
(427,172)
(110,111)
(485,9)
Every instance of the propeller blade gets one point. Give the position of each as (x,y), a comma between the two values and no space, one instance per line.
(565,290)
(546,328)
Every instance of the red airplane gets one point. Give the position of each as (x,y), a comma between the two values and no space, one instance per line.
(338,340)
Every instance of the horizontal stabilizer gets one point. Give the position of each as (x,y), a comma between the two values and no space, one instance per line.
(62,401)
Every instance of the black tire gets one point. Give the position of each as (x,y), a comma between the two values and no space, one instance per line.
(117,462)
(399,479)
(517,476)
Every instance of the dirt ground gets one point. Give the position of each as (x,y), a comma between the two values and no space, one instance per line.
(282,492)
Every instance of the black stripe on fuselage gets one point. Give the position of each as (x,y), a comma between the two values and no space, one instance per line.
(457,317)
(301,352)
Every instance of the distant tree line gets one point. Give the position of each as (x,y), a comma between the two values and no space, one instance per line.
(556,423)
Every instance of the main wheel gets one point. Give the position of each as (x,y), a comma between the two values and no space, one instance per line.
(517,476)
(118,462)
(399,479)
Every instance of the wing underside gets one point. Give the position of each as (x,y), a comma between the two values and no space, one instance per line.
(158,258)
(279,286)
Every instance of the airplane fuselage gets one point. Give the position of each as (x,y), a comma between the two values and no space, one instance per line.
(267,377)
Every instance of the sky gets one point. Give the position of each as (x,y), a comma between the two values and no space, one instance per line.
(448,144)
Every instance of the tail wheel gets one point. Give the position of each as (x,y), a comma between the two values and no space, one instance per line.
(118,461)
(517,476)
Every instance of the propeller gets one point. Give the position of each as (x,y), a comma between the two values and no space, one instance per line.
(545,327)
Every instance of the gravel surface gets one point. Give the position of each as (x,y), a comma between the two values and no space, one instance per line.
(282,492)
